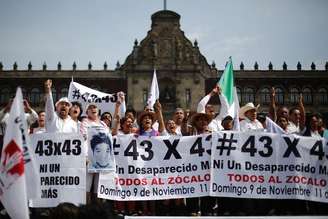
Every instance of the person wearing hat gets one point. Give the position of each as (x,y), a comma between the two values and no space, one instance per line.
(249,113)
(58,120)
(147,119)
(227,123)
(199,123)
(92,120)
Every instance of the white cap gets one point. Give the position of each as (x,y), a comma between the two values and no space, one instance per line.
(65,100)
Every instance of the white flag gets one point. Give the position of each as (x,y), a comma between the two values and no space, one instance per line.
(236,124)
(85,95)
(13,192)
(154,91)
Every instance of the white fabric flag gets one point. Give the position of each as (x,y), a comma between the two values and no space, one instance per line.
(154,91)
(85,95)
(236,124)
(13,192)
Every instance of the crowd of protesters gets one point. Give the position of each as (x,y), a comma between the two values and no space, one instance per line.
(65,116)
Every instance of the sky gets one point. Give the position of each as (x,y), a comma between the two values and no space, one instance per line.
(104,30)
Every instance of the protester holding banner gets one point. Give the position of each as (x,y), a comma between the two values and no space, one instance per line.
(171,128)
(249,113)
(125,128)
(130,112)
(58,120)
(203,107)
(147,119)
(312,126)
(178,119)
(145,122)
(276,112)
(92,120)
(199,123)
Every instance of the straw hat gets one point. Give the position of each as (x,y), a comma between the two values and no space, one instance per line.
(200,116)
(143,114)
(247,107)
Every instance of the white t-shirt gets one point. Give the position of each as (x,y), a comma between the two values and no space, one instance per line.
(248,125)
(56,124)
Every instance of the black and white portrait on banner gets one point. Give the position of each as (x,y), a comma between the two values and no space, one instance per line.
(100,150)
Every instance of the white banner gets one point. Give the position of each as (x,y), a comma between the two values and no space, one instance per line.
(244,165)
(264,165)
(100,154)
(62,167)
(85,95)
(158,168)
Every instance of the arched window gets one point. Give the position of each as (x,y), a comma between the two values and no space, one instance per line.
(35,96)
(5,95)
(239,94)
(294,95)
(265,96)
(279,95)
(322,96)
(307,95)
(249,95)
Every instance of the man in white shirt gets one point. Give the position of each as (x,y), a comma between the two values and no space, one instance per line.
(249,113)
(215,125)
(59,120)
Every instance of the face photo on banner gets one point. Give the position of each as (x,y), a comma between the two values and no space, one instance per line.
(100,153)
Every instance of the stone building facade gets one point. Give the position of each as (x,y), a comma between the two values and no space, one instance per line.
(184,75)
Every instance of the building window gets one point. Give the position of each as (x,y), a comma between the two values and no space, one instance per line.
(265,96)
(307,95)
(188,97)
(249,95)
(239,94)
(145,96)
(54,94)
(25,94)
(63,93)
(279,96)
(322,96)
(5,95)
(294,95)
(95,87)
(35,96)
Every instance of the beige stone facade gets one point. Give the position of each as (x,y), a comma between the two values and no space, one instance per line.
(183,73)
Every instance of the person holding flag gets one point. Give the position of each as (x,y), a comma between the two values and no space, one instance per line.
(226,90)
(154,92)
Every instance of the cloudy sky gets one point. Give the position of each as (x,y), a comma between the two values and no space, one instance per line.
(104,30)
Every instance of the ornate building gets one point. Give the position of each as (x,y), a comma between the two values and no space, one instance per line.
(183,73)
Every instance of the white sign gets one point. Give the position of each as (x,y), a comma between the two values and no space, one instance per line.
(62,167)
(227,164)
(158,168)
(264,165)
